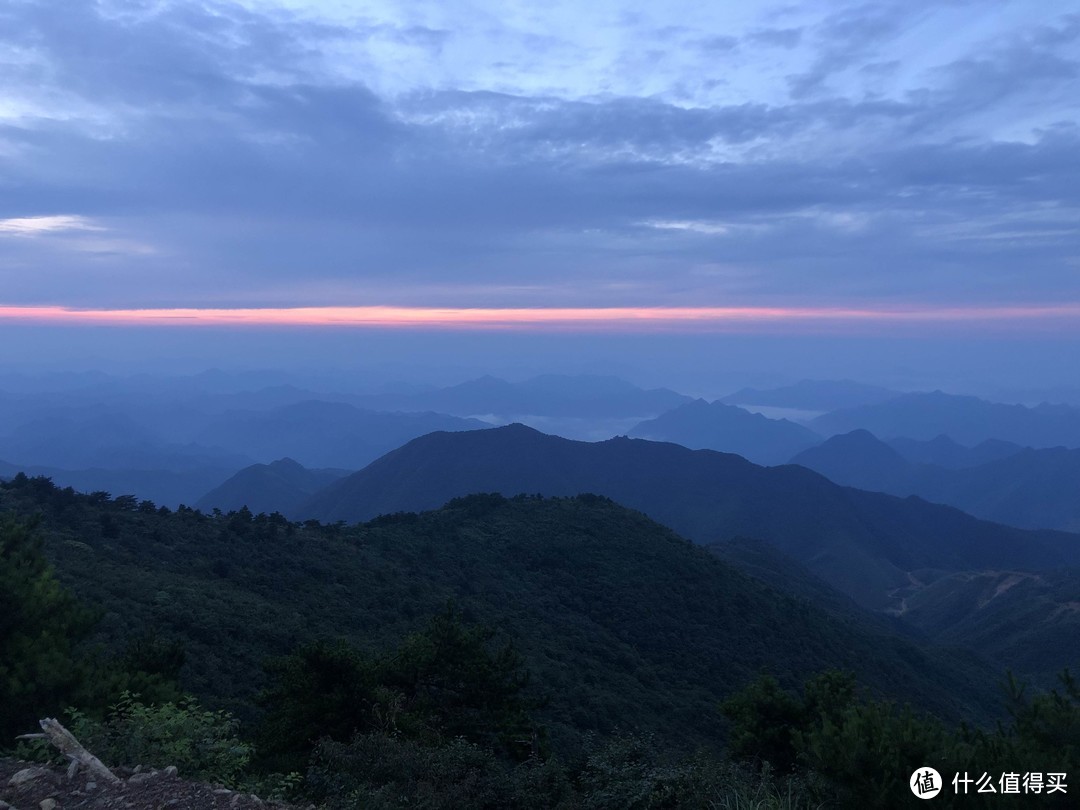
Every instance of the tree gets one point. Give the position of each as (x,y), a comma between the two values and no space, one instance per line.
(446,682)
(324,690)
(40,623)
(459,684)
(765,720)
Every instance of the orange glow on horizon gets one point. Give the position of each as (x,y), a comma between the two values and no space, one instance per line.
(706,318)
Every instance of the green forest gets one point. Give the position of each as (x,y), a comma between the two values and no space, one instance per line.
(542,652)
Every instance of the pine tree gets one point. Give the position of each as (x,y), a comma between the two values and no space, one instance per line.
(40,623)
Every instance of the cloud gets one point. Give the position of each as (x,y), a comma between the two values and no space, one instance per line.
(777,37)
(1032,72)
(256,165)
(847,36)
(707,228)
(36,226)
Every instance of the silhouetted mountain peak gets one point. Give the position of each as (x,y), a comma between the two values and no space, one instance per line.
(858,454)
(286,465)
(941,441)
(862,440)
(702,425)
(280,486)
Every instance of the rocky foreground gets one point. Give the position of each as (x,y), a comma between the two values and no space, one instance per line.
(28,786)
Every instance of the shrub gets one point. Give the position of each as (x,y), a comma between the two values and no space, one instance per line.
(202,744)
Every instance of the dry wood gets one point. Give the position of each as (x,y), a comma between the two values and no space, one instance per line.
(66,743)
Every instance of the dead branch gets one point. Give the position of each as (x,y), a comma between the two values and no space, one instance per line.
(65,742)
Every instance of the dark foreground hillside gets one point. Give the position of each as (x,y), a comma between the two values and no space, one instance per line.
(623,625)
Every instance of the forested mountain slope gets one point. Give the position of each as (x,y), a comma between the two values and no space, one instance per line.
(622,623)
(865,544)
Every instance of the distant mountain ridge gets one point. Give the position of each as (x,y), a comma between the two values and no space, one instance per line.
(281,486)
(552,395)
(863,543)
(942,451)
(701,425)
(323,434)
(858,456)
(171,439)
(1030,488)
(813,395)
(966,419)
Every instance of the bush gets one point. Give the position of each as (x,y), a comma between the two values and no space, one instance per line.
(859,752)
(202,744)
(632,772)
(382,771)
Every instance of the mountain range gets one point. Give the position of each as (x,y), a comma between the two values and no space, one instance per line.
(701,425)
(172,438)
(1027,487)
(282,486)
(944,452)
(863,543)
(548,395)
(322,434)
(965,419)
(813,395)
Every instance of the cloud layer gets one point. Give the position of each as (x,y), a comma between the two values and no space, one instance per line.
(846,155)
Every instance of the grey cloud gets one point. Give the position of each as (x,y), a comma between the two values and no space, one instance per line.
(1019,66)
(431,38)
(1047,171)
(250,184)
(847,36)
(718,44)
(1066,33)
(880,68)
(490,220)
(525,128)
(183,54)
(776,37)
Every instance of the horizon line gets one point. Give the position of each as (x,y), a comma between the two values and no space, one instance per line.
(379,316)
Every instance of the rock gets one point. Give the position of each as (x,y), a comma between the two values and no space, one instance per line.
(138,778)
(47,804)
(91,786)
(171,771)
(27,775)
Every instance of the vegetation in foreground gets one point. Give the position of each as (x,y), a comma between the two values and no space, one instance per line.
(453,715)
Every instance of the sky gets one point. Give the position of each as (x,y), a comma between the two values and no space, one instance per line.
(786,189)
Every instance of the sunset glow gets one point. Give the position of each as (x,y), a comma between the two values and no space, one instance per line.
(632,318)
